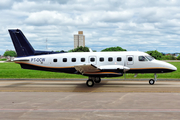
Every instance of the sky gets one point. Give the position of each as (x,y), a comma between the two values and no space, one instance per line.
(134,25)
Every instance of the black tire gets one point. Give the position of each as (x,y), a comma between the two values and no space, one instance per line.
(151,82)
(90,83)
(97,80)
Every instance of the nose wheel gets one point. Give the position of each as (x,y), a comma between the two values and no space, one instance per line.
(151,82)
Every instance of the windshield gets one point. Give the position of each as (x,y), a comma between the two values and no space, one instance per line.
(142,58)
(150,58)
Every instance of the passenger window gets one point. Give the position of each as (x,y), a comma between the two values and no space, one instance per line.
(110,59)
(64,59)
(92,59)
(82,59)
(73,59)
(118,59)
(101,59)
(142,58)
(130,59)
(54,60)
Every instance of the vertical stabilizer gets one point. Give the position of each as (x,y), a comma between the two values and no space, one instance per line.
(21,44)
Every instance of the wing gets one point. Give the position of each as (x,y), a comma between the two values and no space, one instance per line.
(86,68)
(21,59)
(114,67)
(90,68)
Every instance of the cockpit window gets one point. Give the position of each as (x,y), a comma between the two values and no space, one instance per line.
(150,58)
(142,58)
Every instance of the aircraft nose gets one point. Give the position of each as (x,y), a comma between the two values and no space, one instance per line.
(174,68)
(171,67)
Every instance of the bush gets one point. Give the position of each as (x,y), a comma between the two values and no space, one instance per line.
(4,59)
(157,55)
(168,57)
(178,58)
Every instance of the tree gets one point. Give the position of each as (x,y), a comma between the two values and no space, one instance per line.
(80,49)
(10,53)
(114,49)
(60,51)
(157,55)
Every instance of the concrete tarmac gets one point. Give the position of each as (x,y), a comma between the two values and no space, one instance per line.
(73,100)
(80,86)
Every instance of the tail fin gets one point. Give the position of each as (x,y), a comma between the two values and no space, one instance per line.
(21,44)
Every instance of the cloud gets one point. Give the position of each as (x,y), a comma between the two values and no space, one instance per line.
(116,16)
(5,4)
(131,24)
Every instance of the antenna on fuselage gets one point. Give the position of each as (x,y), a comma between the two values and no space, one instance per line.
(90,50)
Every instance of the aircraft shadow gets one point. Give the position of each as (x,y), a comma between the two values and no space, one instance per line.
(77,87)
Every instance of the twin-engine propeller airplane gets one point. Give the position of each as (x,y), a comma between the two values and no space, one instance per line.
(92,64)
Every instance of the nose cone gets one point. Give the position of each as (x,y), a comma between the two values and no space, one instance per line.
(166,67)
(172,67)
(169,66)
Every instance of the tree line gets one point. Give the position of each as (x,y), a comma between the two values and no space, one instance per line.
(156,54)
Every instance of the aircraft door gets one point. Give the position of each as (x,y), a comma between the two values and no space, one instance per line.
(92,60)
(130,59)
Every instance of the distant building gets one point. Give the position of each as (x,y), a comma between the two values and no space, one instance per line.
(177,54)
(79,40)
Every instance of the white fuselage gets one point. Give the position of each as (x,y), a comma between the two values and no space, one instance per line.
(138,62)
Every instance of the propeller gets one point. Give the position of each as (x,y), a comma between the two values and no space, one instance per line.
(125,70)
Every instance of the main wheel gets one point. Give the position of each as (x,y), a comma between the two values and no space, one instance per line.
(97,80)
(151,82)
(90,83)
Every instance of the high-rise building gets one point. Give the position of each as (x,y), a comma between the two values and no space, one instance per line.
(79,40)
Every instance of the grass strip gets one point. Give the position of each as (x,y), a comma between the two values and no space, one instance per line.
(12,70)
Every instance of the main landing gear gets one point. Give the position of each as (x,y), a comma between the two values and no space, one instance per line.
(91,80)
(152,81)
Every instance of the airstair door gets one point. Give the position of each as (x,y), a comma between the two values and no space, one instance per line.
(130,59)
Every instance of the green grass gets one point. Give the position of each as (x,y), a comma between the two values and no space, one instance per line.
(12,70)
(4,59)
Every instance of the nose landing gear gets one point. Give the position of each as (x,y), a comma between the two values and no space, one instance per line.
(152,81)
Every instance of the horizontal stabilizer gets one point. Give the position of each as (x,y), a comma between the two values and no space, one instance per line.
(20,59)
